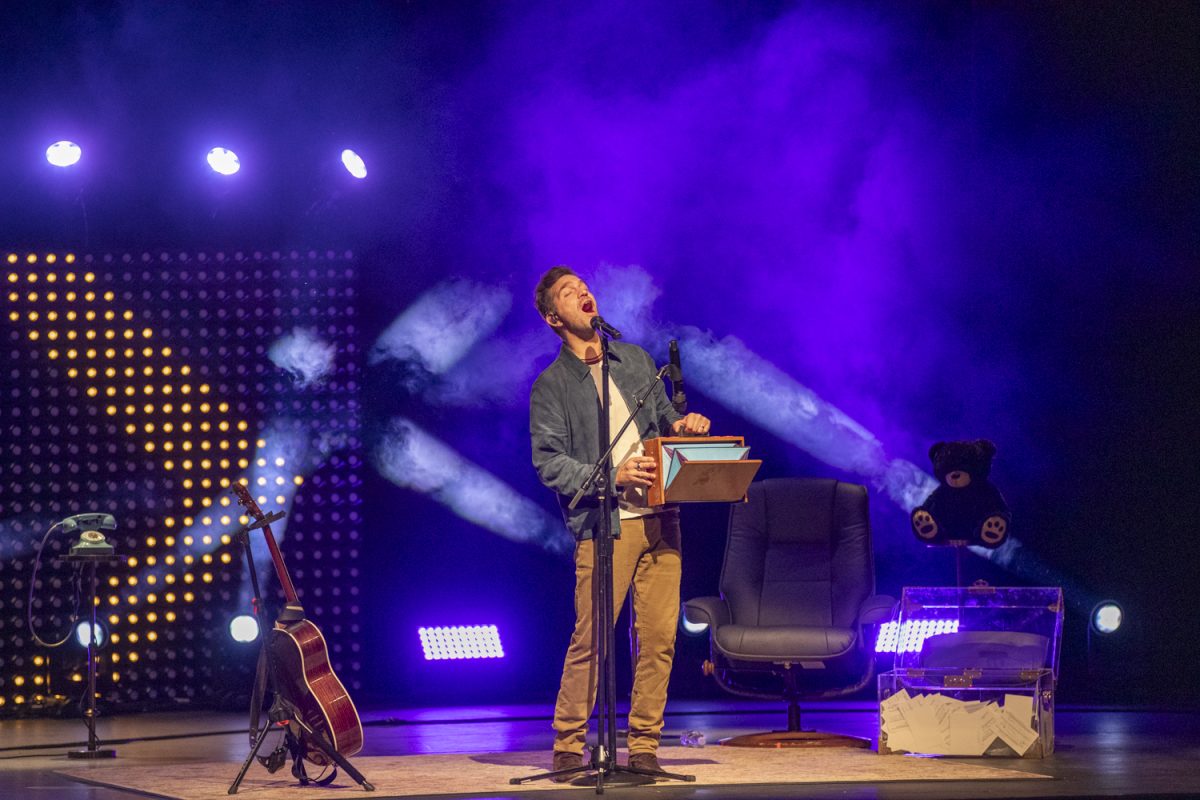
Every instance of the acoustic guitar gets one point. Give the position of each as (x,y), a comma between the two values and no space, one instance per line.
(304,675)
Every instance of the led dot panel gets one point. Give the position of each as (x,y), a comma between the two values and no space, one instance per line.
(910,637)
(461,642)
(141,385)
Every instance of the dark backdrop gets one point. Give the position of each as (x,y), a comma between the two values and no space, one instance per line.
(945,220)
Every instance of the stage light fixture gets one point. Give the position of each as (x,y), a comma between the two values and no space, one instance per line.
(243,628)
(461,642)
(691,628)
(354,164)
(910,637)
(82,630)
(1107,617)
(64,153)
(223,161)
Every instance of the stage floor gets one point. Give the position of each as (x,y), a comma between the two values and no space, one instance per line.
(1099,752)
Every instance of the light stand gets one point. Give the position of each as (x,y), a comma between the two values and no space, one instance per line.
(93,749)
(604,754)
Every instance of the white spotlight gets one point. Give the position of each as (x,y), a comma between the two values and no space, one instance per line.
(63,154)
(354,164)
(223,161)
(81,634)
(243,628)
(1107,617)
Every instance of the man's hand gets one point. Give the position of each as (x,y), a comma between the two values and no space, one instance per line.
(636,470)
(693,425)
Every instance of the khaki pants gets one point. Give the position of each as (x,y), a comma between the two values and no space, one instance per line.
(647,555)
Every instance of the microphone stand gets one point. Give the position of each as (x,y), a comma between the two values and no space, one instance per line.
(604,754)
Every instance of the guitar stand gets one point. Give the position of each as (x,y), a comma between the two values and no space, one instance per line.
(284,715)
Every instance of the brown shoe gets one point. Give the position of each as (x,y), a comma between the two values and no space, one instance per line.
(564,760)
(646,762)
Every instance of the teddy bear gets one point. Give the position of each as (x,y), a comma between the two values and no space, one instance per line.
(965,506)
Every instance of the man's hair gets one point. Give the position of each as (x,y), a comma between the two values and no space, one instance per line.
(541,295)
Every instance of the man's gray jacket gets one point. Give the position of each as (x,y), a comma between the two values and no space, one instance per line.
(564,424)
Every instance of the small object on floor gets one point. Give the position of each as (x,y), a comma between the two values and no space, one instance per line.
(692,738)
(564,760)
(648,762)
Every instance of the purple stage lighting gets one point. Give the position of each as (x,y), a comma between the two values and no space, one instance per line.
(223,161)
(354,164)
(64,153)
(461,642)
(910,637)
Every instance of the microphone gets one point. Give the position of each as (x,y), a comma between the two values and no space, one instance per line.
(603,327)
(675,375)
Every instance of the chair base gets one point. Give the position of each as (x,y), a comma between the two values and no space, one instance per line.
(795,739)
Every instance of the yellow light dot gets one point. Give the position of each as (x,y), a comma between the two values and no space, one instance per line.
(152,616)
(88,277)
(206,558)
(171,614)
(188,577)
(188,597)
(152,636)
(113,580)
(226,558)
(133,637)
(111,410)
(19,681)
(133,656)
(226,539)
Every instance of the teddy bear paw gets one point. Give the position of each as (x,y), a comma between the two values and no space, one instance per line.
(994,530)
(924,524)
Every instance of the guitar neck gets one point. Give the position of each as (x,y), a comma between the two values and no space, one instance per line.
(246,500)
(285,580)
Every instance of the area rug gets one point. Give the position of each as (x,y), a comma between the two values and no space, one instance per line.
(489,773)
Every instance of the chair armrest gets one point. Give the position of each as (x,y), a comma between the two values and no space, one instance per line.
(876,609)
(710,610)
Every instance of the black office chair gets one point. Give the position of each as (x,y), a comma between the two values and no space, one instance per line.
(797,601)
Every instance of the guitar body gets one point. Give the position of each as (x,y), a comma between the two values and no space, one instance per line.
(307,680)
(303,675)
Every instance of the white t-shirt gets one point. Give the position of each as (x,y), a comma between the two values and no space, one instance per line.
(631,500)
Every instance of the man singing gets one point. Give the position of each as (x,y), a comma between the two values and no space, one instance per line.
(564,429)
